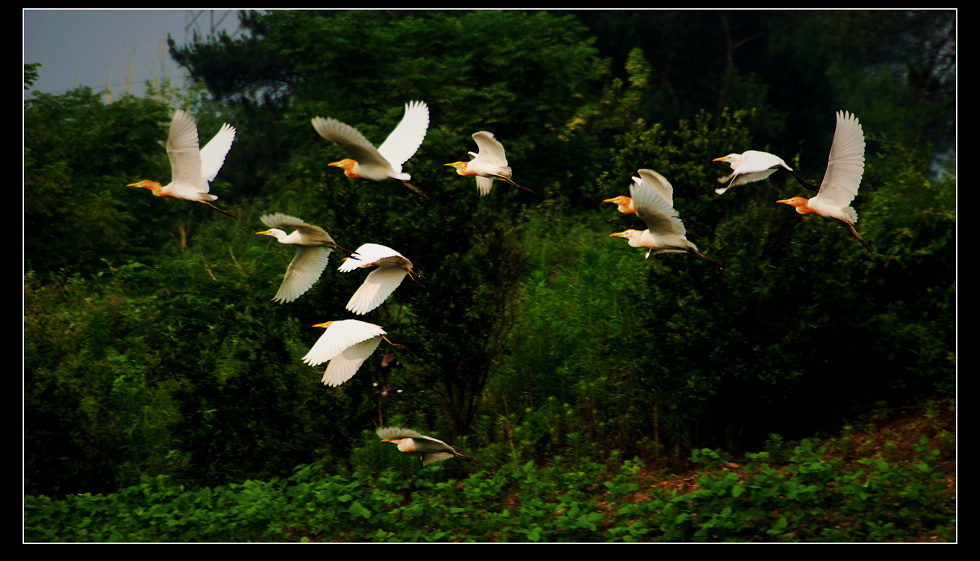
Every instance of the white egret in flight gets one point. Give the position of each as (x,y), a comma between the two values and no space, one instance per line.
(752,166)
(489,164)
(345,345)
(384,162)
(845,167)
(653,199)
(392,267)
(313,248)
(428,448)
(192,168)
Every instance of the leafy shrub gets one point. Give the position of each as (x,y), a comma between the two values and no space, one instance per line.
(813,496)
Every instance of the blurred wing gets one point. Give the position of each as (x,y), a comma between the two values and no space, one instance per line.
(428,445)
(378,285)
(406,138)
(338,336)
(484,185)
(491,150)
(366,255)
(395,433)
(845,166)
(343,366)
(652,198)
(281,221)
(304,270)
(430,457)
(284,222)
(185,156)
(214,152)
(350,140)
(742,179)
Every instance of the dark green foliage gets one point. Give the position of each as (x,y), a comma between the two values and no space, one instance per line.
(75,154)
(807,497)
(154,356)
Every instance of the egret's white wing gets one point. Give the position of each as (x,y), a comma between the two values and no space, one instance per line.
(659,183)
(365,255)
(652,198)
(340,335)
(845,166)
(303,271)
(743,178)
(350,140)
(377,286)
(185,156)
(343,366)
(406,138)
(491,150)
(214,152)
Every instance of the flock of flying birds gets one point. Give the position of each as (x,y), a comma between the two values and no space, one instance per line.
(346,344)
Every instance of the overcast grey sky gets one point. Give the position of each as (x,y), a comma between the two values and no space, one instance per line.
(95,47)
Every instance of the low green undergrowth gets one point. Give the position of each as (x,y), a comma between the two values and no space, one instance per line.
(809,491)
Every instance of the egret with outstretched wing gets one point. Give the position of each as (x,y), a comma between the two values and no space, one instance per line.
(384,162)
